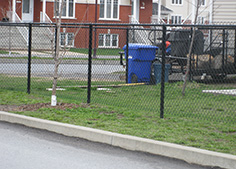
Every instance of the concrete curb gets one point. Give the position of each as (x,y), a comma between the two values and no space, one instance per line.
(188,154)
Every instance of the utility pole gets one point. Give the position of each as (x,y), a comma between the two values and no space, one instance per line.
(159,12)
(95,31)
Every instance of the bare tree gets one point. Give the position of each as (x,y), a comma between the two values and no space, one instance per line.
(57,58)
(191,47)
(59,52)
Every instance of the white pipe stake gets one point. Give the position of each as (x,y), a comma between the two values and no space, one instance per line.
(53,100)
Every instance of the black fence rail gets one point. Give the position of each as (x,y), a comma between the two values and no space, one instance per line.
(135,67)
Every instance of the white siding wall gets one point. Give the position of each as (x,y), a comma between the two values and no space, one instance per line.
(186,9)
(224,11)
(181,10)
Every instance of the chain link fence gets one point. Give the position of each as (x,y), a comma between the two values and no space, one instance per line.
(133,67)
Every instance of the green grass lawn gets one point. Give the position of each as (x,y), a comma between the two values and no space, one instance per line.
(99,51)
(3,52)
(199,119)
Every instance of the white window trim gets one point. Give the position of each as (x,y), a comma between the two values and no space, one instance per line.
(204,3)
(104,41)
(200,20)
(178,17)
(105,11)
(66,40)
(176,4)
(67,12)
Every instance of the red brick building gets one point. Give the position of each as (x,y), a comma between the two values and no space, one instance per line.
(81,11)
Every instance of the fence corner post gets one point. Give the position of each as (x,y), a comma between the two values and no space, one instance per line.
(90,62)
(29,58)
(163,71)
(127,55)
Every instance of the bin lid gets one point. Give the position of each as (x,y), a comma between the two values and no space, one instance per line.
(140,46)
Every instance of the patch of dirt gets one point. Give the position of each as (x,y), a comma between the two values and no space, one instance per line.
(33,107)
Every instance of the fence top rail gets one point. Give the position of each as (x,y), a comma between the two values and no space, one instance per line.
(121,25)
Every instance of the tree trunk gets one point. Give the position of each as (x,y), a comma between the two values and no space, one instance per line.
(56,56)
(190,49)
(56,53)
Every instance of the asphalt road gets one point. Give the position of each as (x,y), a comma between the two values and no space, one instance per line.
(101,69)
(66,69)
(25,148)
(79,71)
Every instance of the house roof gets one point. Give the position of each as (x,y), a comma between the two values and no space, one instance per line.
(164,10)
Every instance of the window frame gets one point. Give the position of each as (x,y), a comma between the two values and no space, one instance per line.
(179,20)
(203,2)
(111,40)
(200,20)
(66,34)
(26,7)
(67,15)
(112,12)
(176,2)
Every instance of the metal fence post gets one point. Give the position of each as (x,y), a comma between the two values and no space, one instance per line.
(127,55)
(210,43)
(55,40)
(190,78)
(226,46)
(29,58)
(90,62)
(235,48)
(223,52)
(133,34)
(163,71)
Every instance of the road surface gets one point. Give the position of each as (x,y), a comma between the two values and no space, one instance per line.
(78,71)
(22,147)
(65,69)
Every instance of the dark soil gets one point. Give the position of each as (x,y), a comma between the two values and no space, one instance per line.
(33,107)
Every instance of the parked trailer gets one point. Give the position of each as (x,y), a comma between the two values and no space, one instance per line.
(213,52)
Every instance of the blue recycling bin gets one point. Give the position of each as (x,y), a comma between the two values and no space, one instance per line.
(140,58)
(157,72)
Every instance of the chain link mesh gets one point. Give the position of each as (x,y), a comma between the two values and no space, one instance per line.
(128,77)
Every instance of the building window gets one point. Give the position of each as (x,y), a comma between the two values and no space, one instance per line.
(67,39)
(176,19)
(109,9)
(26,6)
(67,7)
(200,20)
(202,2)
(177,2)
(108,40)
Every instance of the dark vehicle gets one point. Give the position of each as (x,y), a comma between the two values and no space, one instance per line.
(212,58)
